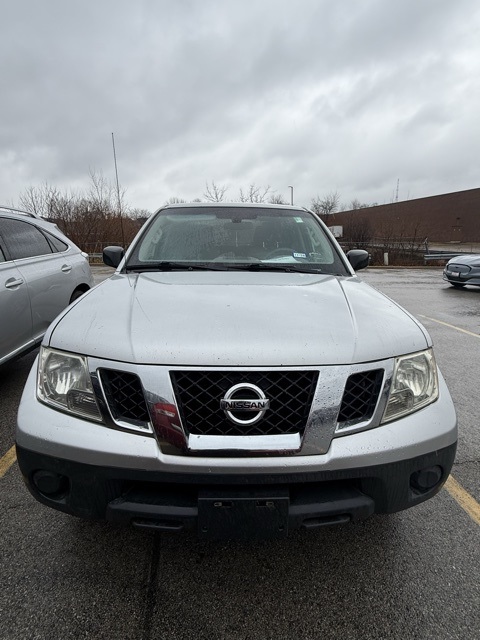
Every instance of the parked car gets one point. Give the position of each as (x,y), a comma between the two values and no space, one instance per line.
(41,272)
(236,377)
(462,270)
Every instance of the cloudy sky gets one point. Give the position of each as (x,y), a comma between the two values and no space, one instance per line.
(325,95)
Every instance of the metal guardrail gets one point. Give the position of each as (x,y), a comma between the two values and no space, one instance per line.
(444,255)
(97,257)
(439,256)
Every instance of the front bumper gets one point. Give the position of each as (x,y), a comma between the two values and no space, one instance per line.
(92,471)
(223,506)
(462,279)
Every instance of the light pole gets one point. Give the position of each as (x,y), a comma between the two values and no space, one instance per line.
(291,194)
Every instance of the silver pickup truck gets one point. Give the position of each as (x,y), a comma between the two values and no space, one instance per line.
(234,376)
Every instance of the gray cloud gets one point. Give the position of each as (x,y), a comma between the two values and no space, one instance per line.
(324,95)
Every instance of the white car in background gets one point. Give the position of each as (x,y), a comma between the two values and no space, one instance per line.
(462,270)
(41,273)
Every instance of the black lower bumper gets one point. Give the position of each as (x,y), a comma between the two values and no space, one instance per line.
(233,506)
(461,282)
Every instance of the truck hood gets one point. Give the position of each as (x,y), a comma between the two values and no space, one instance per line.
(227,318)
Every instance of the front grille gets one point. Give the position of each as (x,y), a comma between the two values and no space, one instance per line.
(199,393)
(360,396)
(124,395)
(461,268)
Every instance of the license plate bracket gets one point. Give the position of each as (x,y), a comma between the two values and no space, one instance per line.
(230,514)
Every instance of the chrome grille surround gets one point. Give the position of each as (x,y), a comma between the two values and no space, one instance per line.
(321,426)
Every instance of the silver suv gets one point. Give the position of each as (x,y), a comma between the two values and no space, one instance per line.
(41,272)
(235,377)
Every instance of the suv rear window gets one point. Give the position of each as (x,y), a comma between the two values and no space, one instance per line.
(23,240)
(57,245)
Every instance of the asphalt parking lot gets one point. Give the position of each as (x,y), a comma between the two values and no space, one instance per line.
(413,574)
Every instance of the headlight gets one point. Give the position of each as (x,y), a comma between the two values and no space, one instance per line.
(64,383)
(414,385)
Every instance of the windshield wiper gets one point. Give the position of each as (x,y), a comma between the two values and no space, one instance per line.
(268,266)
(168,265)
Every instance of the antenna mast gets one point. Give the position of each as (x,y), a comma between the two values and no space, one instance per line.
(118,191)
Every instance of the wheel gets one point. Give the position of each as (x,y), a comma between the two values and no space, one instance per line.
(75,295)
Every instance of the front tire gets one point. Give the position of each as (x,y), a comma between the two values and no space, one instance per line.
(75,295)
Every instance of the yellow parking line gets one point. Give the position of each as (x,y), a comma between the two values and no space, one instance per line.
(452,326)
(464,499)
(7,460)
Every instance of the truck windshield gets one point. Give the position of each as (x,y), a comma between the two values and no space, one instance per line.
(235,236)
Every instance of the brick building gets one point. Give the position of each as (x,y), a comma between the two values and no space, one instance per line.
(448,218)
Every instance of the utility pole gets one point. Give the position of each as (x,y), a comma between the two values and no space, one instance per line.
(118,192)
(291,194)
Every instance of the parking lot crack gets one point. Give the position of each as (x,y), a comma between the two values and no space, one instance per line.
(151,588)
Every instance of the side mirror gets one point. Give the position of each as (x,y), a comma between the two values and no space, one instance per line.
(112,256)
(358,258)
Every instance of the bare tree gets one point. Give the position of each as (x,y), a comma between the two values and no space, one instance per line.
(277,198)
(355,204)
(214,192)
(90,217)
(32,200)
(327,205)
(175,200)
(103,194)
(43,200)
(139,214)
(254,194)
